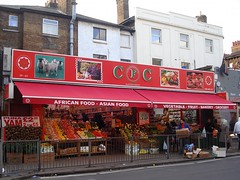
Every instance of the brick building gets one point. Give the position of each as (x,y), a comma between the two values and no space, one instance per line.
(37,28)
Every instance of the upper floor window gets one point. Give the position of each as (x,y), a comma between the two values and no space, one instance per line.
(156,61)
(185,65)
(126,60)
(125,41)
(184,40)
(99,34)
(13,21)
(209,45)
(99,56)
(50,27)
(156,35)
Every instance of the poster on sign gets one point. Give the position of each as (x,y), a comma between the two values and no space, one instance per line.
(143,117)
(23,121)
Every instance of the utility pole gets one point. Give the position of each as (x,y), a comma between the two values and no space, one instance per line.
(1,108)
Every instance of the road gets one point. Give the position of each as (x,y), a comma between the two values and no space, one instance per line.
(214,169)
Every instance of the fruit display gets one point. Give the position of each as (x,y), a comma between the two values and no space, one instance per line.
(194,80)
(56,129)
(53,130)
(132,130)
(97,133)
(23,133)
(68,130)
(82,134)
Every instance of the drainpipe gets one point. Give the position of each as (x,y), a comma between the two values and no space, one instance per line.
(72,26)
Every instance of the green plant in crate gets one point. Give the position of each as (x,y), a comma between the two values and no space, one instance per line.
(30,148)
(14,147)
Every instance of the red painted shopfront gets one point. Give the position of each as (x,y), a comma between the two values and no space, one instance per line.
(42,79)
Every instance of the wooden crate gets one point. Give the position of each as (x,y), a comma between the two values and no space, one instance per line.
(204,154)
(182,133)
(94,149)
(68,151)
(47,156)
(30,158)
(14,158)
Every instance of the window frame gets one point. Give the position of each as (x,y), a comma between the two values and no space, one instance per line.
(11,21)
(184,42)
(185,63)
(209,46)
(125,60)
(49,28)
(122,42)
(156,37)
(99,56)
(157,59)
(99,34)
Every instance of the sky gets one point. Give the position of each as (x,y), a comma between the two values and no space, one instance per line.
(219,12)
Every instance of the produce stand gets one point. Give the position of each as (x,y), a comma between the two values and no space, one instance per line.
(21,134)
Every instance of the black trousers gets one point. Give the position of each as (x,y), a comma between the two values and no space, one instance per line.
(239,141)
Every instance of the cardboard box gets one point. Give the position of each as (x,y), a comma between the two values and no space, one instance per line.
(94,149)
(219,152)
(14,158)
(182,133)
(47,156)
(30,158)
(204,154)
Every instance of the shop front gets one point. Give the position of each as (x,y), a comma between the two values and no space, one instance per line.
(81,98)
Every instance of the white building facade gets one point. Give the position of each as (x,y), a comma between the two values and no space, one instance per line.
(105,41)
(175,40)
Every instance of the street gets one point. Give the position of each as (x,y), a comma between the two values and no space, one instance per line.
(220,169)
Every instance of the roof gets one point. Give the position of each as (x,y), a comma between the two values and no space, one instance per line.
(232,55)
(56,12)
(32,8)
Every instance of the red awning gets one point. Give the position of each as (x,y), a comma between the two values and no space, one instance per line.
(40,93)
(183,100)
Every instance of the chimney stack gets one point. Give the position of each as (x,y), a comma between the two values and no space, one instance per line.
(62,5)
(235,46)
(122,10)
(65,6)
(202,18)
(52,4)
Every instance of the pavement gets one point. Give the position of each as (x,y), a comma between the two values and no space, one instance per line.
(109,166)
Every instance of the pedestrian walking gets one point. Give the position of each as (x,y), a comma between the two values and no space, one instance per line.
(237,131)
(224,133)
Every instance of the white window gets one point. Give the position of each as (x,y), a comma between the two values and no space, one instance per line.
(156,61)
(184,40)
(99,56)
(185,65)
(209,45)
(13,21)
(156,35)
(126,60)
(99,34)
(125,41)
(50,27)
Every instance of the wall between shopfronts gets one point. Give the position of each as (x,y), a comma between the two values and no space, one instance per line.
(229,83)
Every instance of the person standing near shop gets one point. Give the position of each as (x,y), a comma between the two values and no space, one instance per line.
(232,122)
(99,120)
(224,133)
(183,140)
(236,130)
(209,126)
